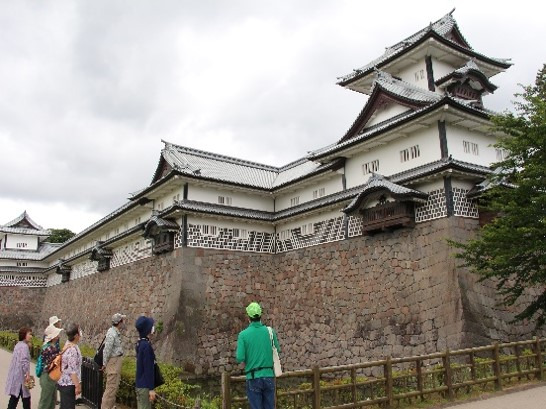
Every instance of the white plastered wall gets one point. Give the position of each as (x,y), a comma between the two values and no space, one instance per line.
(21,242)
(408,74)
(455,137)
(389,156)
(331,184)
(388,112)
(239,199)
(441,69)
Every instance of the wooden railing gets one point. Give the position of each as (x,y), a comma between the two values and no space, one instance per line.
(391,380)
(388,215)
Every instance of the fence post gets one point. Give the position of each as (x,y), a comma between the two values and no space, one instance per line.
(316,387)
(419,369)
(389,386)
(448,375)
(538,359)
(226,395)
(496,367)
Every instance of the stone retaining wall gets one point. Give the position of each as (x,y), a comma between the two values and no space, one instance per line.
(397,293)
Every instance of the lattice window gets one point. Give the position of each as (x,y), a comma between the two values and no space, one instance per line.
(229,239)
(324,232)
(434,208)
(462,206)
(355,227)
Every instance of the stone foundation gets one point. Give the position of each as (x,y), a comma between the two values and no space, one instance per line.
(397,293)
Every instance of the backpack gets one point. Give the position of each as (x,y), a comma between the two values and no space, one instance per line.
(39,366)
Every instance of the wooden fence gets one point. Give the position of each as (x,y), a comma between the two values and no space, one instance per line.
(385,382)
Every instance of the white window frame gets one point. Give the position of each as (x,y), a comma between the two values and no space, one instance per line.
(471,148)
(225,200)
(370,167)
(294,201)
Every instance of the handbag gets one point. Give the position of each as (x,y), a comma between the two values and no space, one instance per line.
(158,377)
(30,382)
(99,356)
(276,360)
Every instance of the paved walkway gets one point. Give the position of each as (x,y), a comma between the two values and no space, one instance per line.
(5,359)
(532,398)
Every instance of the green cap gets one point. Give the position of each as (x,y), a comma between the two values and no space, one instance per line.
(254,310)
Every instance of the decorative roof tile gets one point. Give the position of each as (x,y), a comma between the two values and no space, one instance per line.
(443,27)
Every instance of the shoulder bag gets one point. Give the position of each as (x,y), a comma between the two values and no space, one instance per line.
(99,356)
(54,369)
(276,360)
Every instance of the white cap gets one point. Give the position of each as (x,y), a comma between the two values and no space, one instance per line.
(117,317)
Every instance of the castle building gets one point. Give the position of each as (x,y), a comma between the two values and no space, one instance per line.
(210,231)
(420,144)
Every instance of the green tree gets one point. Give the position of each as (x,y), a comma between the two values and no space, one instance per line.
(512,248)
(60,235)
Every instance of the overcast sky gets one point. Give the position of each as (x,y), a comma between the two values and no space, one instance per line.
(88,89)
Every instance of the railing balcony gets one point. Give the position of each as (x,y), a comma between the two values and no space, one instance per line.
(388,216)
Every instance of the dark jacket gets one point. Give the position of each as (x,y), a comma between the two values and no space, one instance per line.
(145,355)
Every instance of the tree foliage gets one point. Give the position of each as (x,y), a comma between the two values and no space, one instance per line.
(512,248)
(60,235)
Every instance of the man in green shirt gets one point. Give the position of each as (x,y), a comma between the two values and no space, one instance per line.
(254,349)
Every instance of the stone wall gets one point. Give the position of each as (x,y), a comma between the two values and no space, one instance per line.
(396,293)
(20,306)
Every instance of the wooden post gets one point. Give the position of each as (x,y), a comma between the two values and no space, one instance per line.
(448,375)
(226,395)
(496,367)
(316,387)
(538,359)
(518,365)
(420,382)
(353,384)
(389,383)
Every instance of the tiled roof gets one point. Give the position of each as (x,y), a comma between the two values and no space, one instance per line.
(380,182)
(442,27)
(404,89)
(237,171)
(219,167)
(463,71)
(36,229)
(437,166)
(44,250)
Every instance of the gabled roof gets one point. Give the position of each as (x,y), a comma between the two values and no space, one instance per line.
(388,89)
(23,224)
(163,224)
(209,166)
(410,115)
(445,30)
(470,69)
(378,183)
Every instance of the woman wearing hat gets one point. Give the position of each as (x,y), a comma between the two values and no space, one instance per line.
(49,351)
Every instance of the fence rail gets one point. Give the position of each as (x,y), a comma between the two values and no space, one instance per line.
(391,380)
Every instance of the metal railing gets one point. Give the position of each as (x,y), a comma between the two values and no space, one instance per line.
(92,383)
(388,381)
